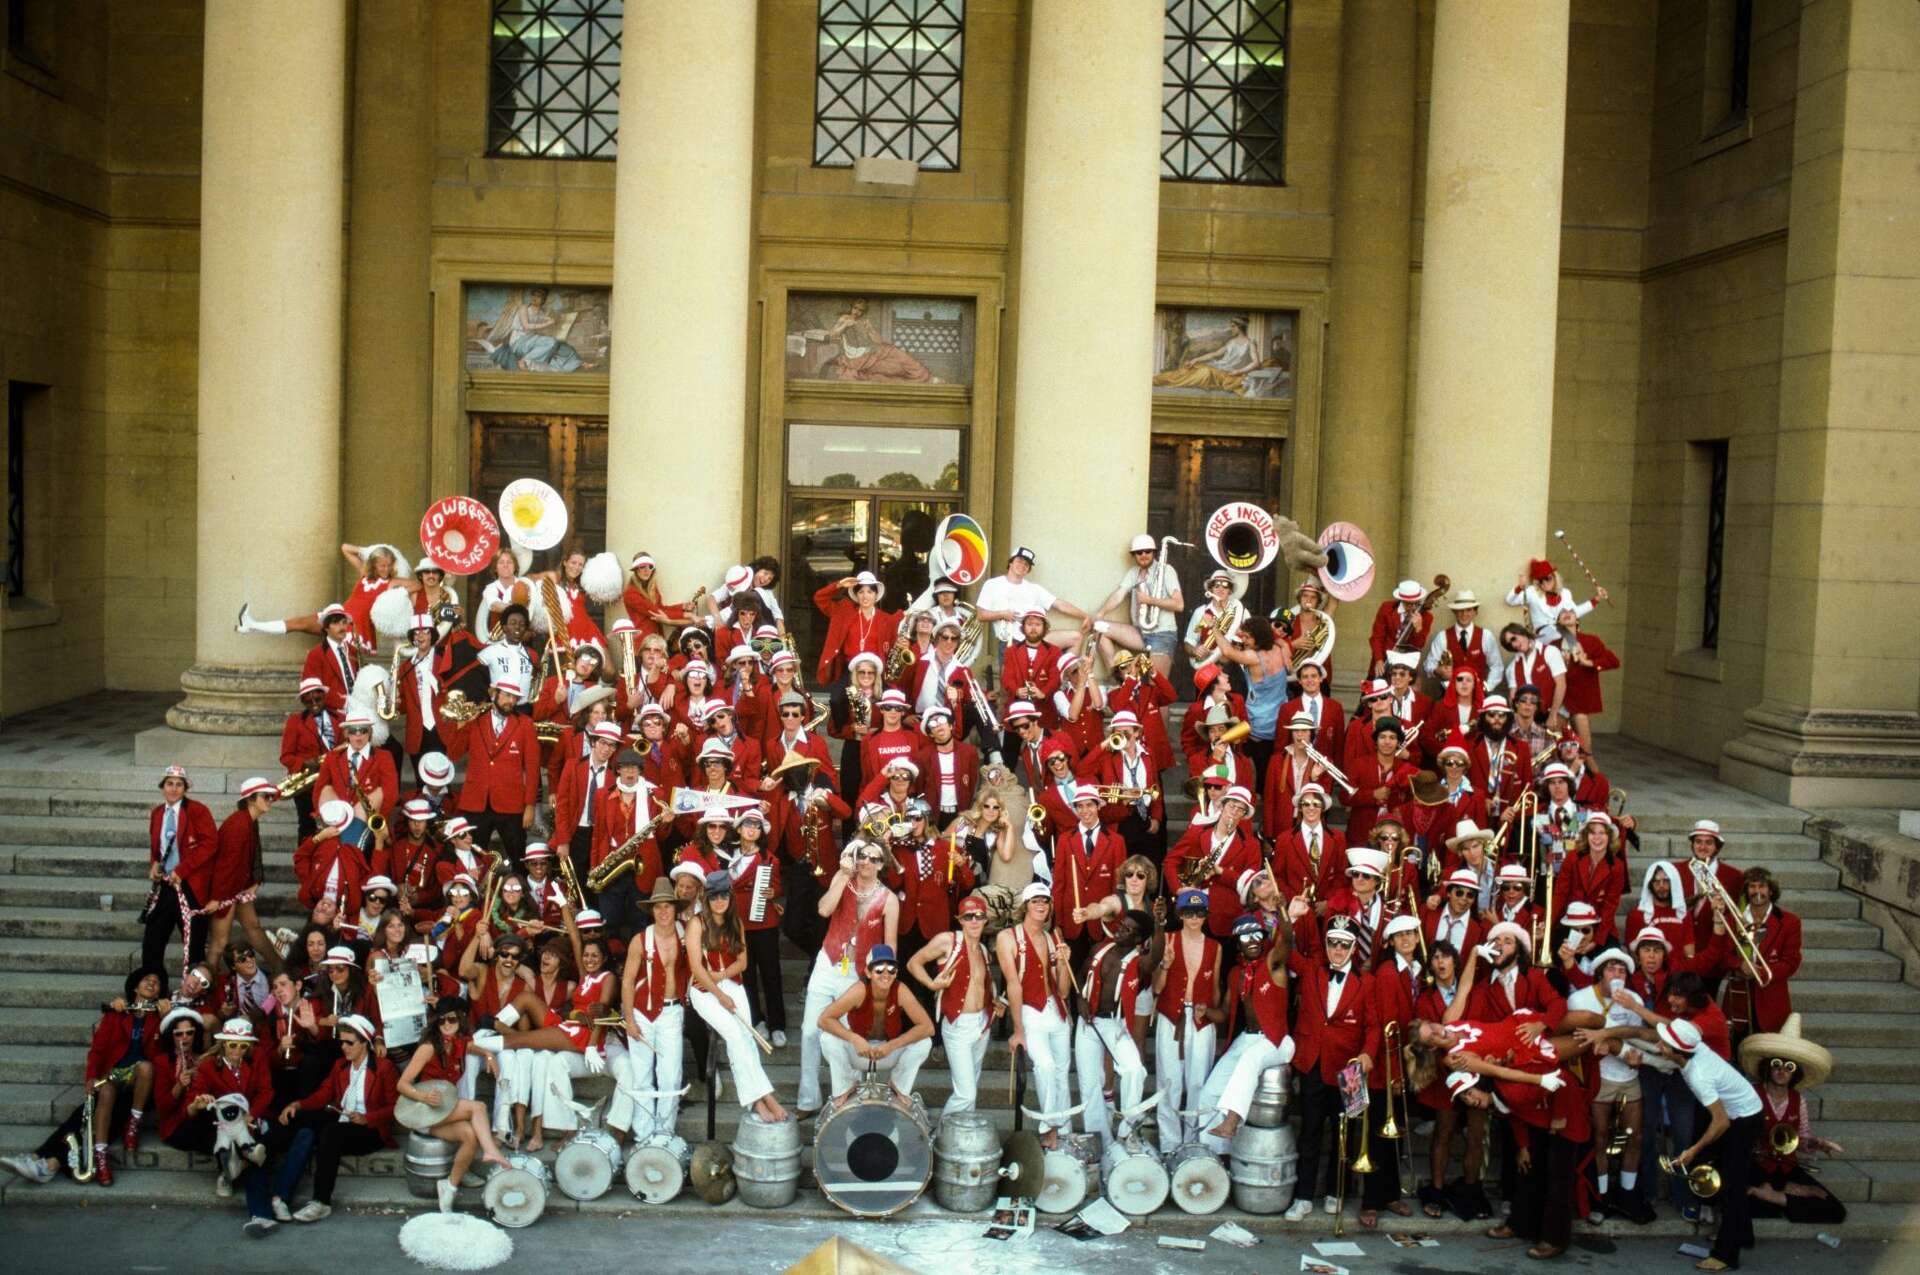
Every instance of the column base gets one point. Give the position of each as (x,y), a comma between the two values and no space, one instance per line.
(235,699)
(1826,757)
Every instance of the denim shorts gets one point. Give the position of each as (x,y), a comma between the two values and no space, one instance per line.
(1160,642)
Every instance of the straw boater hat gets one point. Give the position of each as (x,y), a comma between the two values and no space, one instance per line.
(1815,1063)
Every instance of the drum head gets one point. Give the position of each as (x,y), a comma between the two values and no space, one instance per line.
(1136,1184)
(583,1170)
(422,1116)
(654,1174)
(515,1197)
(1201,1184)
(871,1157)
(1065,1183)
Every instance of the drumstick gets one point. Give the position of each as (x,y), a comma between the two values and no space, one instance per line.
(1561,536)
(761,1039)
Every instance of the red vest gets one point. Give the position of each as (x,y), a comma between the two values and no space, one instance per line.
(1037,987)
(953,997)
(848,935)
(860,1017)
(1473,655)
(1173,993)
(1253,982)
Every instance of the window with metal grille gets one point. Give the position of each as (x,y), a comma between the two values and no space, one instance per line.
(17,394)
(887,82)
(1716,541)
(554,81)
(1224,97)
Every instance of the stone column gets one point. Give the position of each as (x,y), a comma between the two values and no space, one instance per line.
(389,330)
(1489,294)
(1372,264)
(682,246)
(1839,724)
(1089,224)
(271,202)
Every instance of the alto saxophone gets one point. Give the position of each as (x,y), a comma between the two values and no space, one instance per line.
(625,855)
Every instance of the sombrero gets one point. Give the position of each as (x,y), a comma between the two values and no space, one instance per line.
(1815,1063)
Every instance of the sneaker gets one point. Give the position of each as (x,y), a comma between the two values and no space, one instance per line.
(313,1211)
(258,1228)
(222,1188)
(102,1168)
(1331,1204)
(719,1086)
(280,1210)
(255,1154)
(779,1039)
(1691,1212)
(30,1167)
(132,1139)
(446,1191)
(243,623)
(1300,1212)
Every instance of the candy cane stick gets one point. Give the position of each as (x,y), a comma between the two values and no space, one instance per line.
(1561,536)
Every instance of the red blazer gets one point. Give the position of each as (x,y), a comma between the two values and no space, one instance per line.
(1473,936)
(1781,948)
(616,822)
(399,861)
(409,699)
(237,846)
(1326,1042)
(1292,864)
(313,862)
(503,771)
(1041,665)
(844,640)
(170,1113)
(376,771)
(1094,875)
(1277,790)
(747,767)
(1331,738)
(195,837)
(110,1037)
(1386,627)
(214,1079)
(1035,776)
(1530,991)
(966,774)
(1107,769)
(1223,891)
(817,849)
(1363,811)
(1602,887)
(810,744)
(1516,774)
(321,664)
(1193,739)
(1145,697)
(743,890)
(929,900)
(571,744)
(300,740)
(570,796)
(382,1085)
(1394,1002)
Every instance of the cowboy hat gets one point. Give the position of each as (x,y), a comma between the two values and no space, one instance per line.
(1815,1063)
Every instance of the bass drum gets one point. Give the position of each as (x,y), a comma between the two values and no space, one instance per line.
(1072,1174)
(873,1155)
(1137,1183)
(1200,1181)
(657,1168)
(517,1197)
(586,1167)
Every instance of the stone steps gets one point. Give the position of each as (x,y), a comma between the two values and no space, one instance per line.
(83,893)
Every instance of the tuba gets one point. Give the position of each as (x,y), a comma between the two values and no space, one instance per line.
(1155,583)
(458,709)
(1316,644)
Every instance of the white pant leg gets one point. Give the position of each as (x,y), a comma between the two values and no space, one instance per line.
(665,1039)
(1089,1059)
(1199,1064)
(966,1039)
(1211,1094)
(736,1031)
(1050,1047)
(553,1074)
(1181,1075)
(1236,1095)
(511,1089)
(622,1111)
(470,1074)
(844,1066)
(903,1065)
(1130,1074)
(824,985)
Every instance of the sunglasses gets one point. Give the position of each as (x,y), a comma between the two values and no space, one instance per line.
(1514,885)
(872,858)
(185,1033)
(1135,875)
(946,637)
(1459,891)
(1339,942)
(1453,763)
(359,730)
(791,712)
(449,1018)
(509,958)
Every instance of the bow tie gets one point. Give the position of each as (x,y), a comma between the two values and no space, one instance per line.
(1336,976)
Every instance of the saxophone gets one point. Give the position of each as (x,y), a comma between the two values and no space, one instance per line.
(80,1145)
(626,854)
(899,659)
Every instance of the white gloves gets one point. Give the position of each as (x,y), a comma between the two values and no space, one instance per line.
(596,1061)
(1554,1083)
(1487,953)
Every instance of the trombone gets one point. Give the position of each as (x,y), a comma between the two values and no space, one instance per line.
(1394,1129)
(1362,1163)
(1739,928)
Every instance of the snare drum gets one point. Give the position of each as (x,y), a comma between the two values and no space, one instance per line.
(517,1197)
(1072,1173)
(657,1168)
(586,1166)
(1137,1183)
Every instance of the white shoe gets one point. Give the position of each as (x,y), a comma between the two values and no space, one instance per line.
(1299,1212)
(244,624)
(446,1191)
(30,1167)
(779,1040)
(258,1228)
(222,1188)
(1331,1204)
(281,1211)
(719,1086)
(313,1211)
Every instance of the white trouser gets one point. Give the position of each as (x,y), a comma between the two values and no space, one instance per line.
(750,1081)
(551,1076)
(509,1086)
(902,1066)
(470,1074)
(1050,1048)
(1093,1040)
(824,986)
(1181,1076)
(651,1064)
(965,1039)
(1237,1074)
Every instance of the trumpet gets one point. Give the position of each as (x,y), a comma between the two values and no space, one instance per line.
(458,709)
(1739,928)
(302,779)
(1390,1128)
(1125,794)
(1334,773)
(1037,819)
(1114,742)
(1702,1179)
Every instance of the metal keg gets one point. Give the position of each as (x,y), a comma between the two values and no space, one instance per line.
(966,1162)
(1269,1108)
(1263,1164)
(766,1161)
(428,1160)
